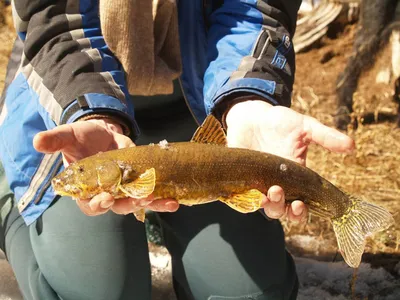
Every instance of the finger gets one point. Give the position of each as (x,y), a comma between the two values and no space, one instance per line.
(164,205)
(123,141)
(101,202)
(327,137)
(275,203)
(126,206)
(297,212)
(84,206)
(54,140)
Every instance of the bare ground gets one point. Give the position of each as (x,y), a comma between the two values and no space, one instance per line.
(371,172)
(7,36)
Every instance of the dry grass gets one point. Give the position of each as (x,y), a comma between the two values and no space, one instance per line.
(7,36)
(371,172)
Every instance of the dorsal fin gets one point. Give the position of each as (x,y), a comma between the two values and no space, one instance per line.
(210,132)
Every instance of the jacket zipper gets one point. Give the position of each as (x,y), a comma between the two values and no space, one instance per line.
(39,196)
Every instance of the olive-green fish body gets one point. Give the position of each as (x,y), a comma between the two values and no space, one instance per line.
(205,170)
(195,173)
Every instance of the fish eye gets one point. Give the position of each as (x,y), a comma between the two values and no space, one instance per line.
(80,169)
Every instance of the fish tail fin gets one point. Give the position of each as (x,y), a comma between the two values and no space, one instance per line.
(352,229)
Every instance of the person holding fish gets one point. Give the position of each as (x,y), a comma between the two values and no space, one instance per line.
(92,76)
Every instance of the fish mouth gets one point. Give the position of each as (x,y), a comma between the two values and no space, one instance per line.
(64,189)
(57,184)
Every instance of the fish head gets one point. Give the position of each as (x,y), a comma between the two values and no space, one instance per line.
(86,178)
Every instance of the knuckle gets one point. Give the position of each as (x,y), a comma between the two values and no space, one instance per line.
(158,207)
(145,202)
(273,213)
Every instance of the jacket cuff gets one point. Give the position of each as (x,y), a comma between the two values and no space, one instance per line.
(125,129)
(221,110)
(240,90)
(90,106)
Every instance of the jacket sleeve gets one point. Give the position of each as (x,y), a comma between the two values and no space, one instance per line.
(250,53)
(67,63)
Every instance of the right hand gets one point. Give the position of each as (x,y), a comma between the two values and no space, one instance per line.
(281,131)
(84,138)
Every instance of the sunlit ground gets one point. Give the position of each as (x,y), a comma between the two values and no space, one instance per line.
(372,172)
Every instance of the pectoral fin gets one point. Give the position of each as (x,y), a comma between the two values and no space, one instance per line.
(142,187)
(247,202)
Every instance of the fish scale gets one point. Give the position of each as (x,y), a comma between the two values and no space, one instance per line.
(206,170)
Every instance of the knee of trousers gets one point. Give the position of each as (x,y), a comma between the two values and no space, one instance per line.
(81,257)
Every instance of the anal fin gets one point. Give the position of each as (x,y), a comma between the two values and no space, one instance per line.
(140,215)
(247,202)
(142,187)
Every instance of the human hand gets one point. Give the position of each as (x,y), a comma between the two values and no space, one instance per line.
(84,138)
(281,131)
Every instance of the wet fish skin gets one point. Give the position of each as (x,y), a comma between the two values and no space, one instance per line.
(200,171)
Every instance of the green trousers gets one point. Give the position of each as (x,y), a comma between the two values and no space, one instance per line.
(217,253)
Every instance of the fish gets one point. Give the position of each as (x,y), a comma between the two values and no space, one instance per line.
(205,170)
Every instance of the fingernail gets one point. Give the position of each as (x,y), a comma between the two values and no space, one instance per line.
(93,205)
(171,206)
(275,197)
(298,212)
(106,204)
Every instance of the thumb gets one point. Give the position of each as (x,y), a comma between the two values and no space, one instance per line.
(123,141)
(327,137)
(54,140)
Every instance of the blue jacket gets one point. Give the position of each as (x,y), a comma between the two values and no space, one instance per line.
(230,49)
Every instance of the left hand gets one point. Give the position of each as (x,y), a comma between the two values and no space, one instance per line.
(84,138)
(281,131)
